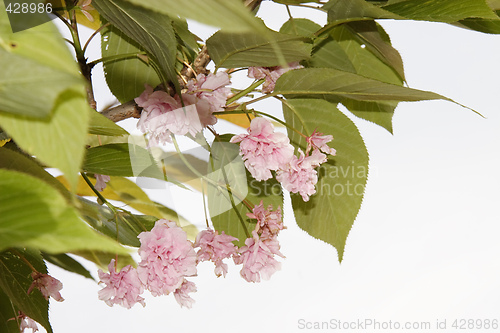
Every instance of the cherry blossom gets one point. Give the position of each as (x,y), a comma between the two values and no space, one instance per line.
(270,74)
(48,286)
(101,181)
(269,222)
(123,288)
(262,149)
(215,247)
(181,294)
(300,176)
(167,257)
(164,115)
(257,258)
(319,141)
(212,88)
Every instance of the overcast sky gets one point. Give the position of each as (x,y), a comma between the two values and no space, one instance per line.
(424,247)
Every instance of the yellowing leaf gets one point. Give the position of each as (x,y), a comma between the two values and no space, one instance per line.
(237,119)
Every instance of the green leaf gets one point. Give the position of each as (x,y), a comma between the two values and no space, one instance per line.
(482,25)
(300,27)
(15,280)
(352,37)
(224,218)
(121,159)
(104,220)
(330,83)
(328,53)
(125,77)
(66,262)
(15,161)
(33,214)
(8,313)
(100,125)
(442,10)
(376,40)
(229,15)
(341,11)
(255,49)
(330,213)
(36,68)
(102,259)
(151,30)
(59,141)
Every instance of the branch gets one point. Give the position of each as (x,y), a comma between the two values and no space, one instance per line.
(124,111)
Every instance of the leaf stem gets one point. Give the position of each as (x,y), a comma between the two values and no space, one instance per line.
(245,92)
(117,57)
(93,35)
(23,258)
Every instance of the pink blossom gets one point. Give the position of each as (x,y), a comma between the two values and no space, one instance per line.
(262,149)
(300,176)
(101,181)
(122,288)
(211,88)
(181,294)
(48,286)
(257,257)
(164,115)
(270,74)
(319,141)
(215,247)
(167,257)
(269,222)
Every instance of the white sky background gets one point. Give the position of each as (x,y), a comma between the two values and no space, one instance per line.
(424,246)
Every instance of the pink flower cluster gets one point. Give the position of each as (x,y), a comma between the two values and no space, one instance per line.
(168,258)
(270,74)
(264,150)
(257,256)
(163,115)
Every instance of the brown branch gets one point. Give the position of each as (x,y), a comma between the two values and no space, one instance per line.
(124,111)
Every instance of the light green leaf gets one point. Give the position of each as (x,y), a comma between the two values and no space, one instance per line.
(229,15)
(330,83)
(482,25)
(59,141)
(150,29)
(330,213)
(15,280)
(255,49)
(16,161)
(100,125)
(341,11)
(33,214)
(224,218)
(300,27)
(442,10)
(125,77)
(36,67)
(66,262)
(102,259)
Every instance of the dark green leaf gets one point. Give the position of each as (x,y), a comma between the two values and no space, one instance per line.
(121,159)
(255,49)
(330,213)
(341,11)
(104,220)
(66,262)
(15,280)
(442,10)
(150,29)
(229,15)
(331,83)
(125,77)
(8,314)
